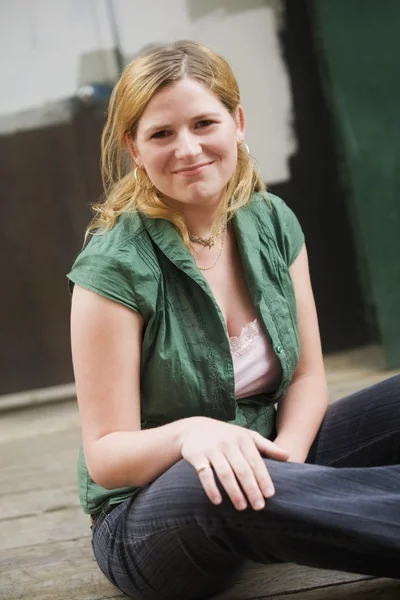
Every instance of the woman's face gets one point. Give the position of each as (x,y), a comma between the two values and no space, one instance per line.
(187,143)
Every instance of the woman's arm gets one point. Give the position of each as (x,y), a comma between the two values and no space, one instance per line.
(301,411)
(106,342)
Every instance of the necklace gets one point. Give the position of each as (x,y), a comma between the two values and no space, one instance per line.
(220,252)
(210,241)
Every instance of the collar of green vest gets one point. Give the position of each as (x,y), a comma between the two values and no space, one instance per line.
(246,226)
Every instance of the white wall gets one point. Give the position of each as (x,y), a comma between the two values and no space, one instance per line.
(41,42)
(48,48)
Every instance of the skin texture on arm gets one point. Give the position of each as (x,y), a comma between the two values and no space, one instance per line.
(302,409)
(106,348)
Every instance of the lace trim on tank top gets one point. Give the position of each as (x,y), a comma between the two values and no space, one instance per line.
(243,343)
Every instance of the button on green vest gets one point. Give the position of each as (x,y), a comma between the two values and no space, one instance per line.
(186,363)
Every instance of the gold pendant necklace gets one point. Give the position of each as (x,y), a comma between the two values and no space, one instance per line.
(208,242)
(219,255)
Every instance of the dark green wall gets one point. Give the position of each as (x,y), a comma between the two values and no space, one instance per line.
(359,42)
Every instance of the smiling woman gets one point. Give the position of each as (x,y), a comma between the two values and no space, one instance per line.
(192,318)
(174,109)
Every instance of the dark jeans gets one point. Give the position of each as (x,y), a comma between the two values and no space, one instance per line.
(340,510)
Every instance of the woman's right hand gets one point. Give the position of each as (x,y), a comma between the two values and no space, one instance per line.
(232,453)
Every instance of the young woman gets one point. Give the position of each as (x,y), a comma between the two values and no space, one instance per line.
(207,441)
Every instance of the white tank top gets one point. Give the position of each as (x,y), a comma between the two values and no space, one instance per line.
(257,368)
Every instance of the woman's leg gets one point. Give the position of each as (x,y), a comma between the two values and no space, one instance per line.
(171,543)
(156,546)
(361,430)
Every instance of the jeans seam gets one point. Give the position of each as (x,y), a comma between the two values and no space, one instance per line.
(361,447)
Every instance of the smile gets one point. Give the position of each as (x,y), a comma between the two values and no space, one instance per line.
(194,170)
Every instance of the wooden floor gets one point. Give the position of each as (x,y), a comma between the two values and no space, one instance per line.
(45,549)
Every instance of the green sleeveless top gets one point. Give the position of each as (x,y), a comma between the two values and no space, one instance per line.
(186,362)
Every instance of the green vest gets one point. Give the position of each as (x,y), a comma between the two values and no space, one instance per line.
(186,363)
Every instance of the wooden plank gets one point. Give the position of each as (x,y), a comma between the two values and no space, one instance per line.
(32,557)
(270,581)
(66,524)
(67,584)
(46,461)
(37,502)
(54,571)
(42,476)
(66,569)
(37,397)
(43,449)
(383,589)
(17,481)
(32,424)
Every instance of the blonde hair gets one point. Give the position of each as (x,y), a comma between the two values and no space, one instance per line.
(153,70)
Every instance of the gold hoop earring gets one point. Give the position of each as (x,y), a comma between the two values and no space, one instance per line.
(140,184)
(245,156)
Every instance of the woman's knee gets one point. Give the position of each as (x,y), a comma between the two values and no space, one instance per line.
(175,494)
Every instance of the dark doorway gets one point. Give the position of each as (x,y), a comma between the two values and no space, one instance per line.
(317,194)
(49,177)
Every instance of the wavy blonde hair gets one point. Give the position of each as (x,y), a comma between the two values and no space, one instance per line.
(153,70)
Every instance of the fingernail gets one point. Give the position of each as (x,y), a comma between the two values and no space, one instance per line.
(259,504)
(242,505)
(269,491)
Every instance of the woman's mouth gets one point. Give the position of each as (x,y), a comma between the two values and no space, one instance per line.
(193,169)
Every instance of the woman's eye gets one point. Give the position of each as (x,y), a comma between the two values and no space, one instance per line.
(160,134)
(204,123)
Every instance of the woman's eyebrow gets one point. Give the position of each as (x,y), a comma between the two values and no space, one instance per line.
(154,128)
(209,115)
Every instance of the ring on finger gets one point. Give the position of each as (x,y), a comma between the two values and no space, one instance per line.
(202,467)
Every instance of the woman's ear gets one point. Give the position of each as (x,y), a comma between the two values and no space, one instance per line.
(240,124)
(132,149)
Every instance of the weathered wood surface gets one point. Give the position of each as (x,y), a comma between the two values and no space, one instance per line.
(291,582)
(45,551)
(66,570)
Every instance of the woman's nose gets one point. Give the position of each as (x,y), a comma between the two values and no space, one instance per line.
(187,146)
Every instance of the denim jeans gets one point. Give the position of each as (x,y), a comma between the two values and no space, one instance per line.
(340,510)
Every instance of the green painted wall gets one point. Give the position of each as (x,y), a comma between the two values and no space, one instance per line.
(359,44)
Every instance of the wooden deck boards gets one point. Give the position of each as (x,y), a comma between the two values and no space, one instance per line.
(45,551)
